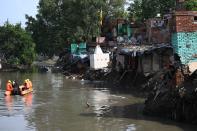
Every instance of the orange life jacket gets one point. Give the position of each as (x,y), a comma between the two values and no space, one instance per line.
(9,87)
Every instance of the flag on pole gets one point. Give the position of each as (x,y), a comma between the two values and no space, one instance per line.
(101,17)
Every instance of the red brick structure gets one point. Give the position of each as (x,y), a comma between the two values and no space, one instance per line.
(184,35)
(185,21)
(158,30)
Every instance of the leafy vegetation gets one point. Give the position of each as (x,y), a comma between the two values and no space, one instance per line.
(60,21)
(17,44)
(191,5)
(135,10)
(144,9)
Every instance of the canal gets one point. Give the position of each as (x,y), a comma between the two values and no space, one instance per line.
(58,104)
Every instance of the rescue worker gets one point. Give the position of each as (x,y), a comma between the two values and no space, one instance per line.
(16,90)
(9,86)
(30,83)
(26,84)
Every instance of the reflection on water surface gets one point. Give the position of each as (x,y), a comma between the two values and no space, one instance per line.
(58,104)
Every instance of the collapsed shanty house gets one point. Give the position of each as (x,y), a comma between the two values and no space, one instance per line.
(158,30)
(146,59)
(174,91)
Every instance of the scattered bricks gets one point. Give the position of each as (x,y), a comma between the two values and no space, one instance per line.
(179,78)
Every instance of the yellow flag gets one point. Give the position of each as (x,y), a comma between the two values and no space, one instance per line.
(101,17)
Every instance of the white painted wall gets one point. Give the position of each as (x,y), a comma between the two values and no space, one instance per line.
(99,60)
(192,67)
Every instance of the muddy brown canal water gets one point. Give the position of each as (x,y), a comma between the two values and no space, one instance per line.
(58,104)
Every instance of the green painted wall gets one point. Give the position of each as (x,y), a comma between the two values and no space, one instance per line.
(124,29)
(77,49)
(185,44)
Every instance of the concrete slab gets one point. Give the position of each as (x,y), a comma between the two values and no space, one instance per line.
(192,67)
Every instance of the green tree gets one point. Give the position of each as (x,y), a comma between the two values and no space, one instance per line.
(17,44)
(150,8)
(59,20)
(191,5)
(144,9)
(135,10)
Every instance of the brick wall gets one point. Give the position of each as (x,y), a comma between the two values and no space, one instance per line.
(184,21)
(184,36)
(160,36)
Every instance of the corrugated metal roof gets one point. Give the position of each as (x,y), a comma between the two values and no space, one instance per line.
(141,49)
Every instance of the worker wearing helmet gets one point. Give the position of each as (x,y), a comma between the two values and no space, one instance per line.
(30,83)
(16,90)
(9,86)
(26,84)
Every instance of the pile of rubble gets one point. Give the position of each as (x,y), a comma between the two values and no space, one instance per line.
(173,95)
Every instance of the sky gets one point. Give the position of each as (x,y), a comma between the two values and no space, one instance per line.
(128,3)
(14,10)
